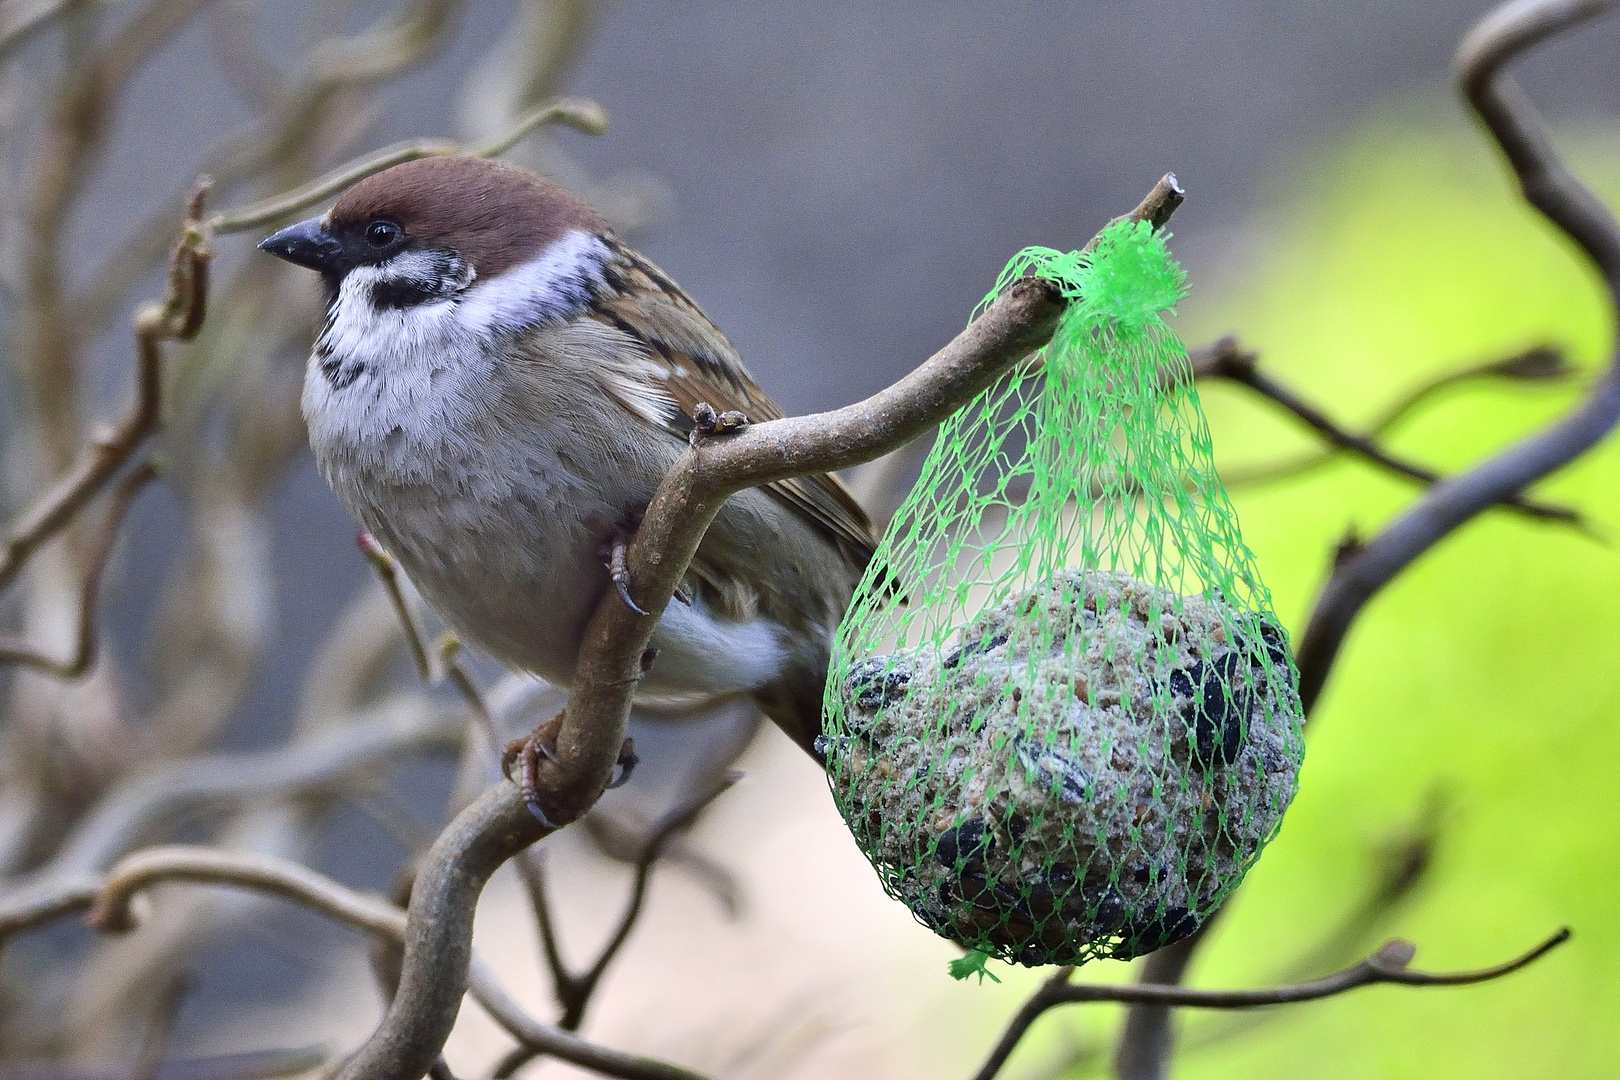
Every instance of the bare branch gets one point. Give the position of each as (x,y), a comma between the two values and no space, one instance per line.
(1539,364)
(1226,359)
(109,897)
(147,802)
(1552,189)
(565,1045)
(177,317)
(577,113)
(1387,965)
(388,572)
(17,651)
(498,824)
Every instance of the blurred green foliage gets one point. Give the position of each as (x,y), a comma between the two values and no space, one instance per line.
(1489,673)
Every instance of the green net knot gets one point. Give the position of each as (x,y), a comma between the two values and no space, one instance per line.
(1131,276)
(972,964)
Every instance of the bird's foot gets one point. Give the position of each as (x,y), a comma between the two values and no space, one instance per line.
(527,752)
(707,423)
(619,574)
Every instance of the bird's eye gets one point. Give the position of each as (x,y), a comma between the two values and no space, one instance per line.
(381,234)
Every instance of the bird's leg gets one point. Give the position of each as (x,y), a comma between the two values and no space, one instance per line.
(526,753)
(542,743)
(706,422)
(619,574)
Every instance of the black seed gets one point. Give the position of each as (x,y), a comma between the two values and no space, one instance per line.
(1219,702)
(975,890)
(875,684)
(1110,914)
(1033,955)
(1017,827)
(1038,900)
(1011,903)
(1276,641)
(1155,932)
(965,847)
(1053,769)
(973,648)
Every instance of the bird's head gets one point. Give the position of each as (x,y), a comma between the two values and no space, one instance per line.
(428,231)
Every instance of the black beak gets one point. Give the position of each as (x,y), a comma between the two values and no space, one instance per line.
(306,244)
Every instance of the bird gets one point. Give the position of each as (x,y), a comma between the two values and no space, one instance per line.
(496,391)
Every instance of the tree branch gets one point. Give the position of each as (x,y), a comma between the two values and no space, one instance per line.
(108,898)
(498,824)
(177,317)
(1226,359)
(578,113)
(1568,204)
(1359,573)
(574,991)
(15,650)
(1387,965)
(1538,364)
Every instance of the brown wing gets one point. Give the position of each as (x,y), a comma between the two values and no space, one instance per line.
(692,363)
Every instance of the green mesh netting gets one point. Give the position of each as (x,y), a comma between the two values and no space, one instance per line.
(1061,719)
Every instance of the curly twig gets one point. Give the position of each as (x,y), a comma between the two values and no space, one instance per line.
(577,113)
(1538,364)
(1226,359)
(177,317)
(1566,202)
(574,991)
(14,650)
(1387,965)
(109,897)
(146,802)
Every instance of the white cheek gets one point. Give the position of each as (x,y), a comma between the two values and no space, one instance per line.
(548,289)
(399,378)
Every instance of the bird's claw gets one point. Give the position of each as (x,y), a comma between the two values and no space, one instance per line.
(619,574)
(526,754)
(541,743)
(626,765)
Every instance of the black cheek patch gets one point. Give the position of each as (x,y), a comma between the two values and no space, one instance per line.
(399,293)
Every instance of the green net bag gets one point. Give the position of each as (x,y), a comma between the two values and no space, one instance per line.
(1061,718)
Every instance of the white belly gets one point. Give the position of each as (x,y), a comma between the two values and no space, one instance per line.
(500,511)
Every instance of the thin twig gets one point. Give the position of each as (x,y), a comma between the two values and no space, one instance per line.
(574,991)
(15,650)
(498,824)
(448,648)
(1535,365)
(388,572)
(577,113)
(147,802)
(1553,190)
(155,1043)
(110,898)
(564,1045)
(1226,359)
(177,317)
(1387,965)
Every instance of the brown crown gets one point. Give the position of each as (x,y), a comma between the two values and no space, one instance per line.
(492,214)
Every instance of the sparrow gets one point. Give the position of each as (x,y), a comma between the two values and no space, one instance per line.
(498,388)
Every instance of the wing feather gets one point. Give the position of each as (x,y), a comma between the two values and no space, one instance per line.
(688,362)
